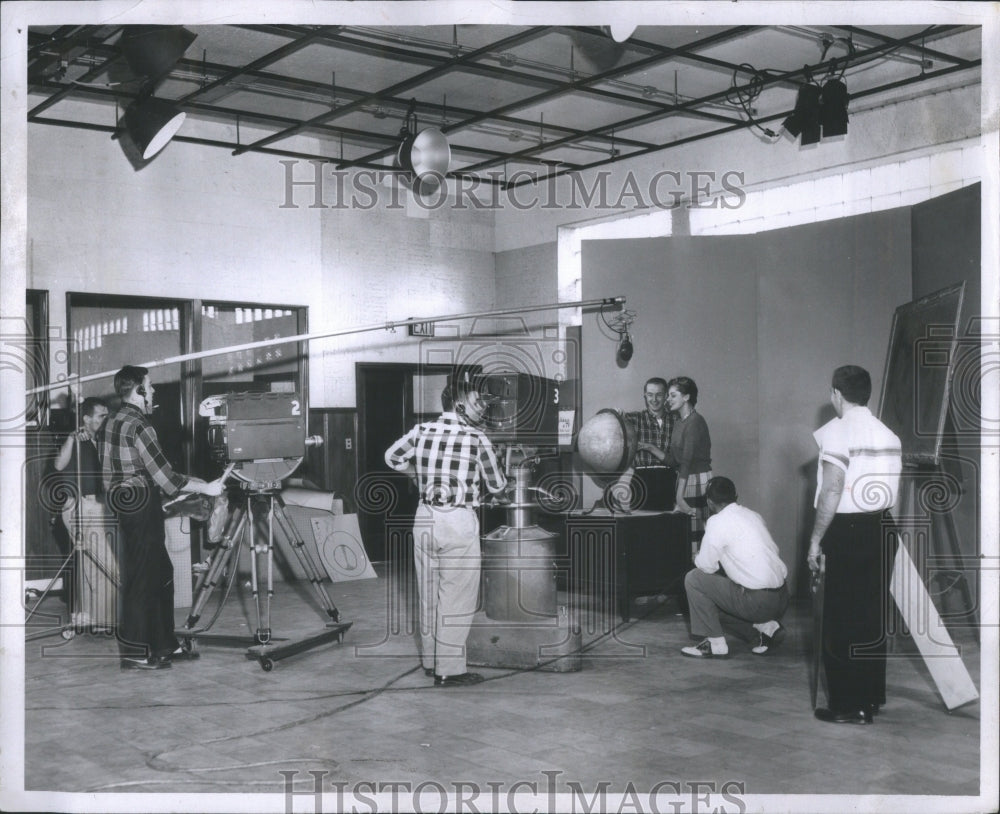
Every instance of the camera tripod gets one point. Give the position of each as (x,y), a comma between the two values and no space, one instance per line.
(79,557)
(254,505)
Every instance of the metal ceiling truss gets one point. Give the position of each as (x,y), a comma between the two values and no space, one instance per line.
(50,54)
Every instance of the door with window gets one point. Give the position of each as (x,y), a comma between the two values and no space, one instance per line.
(391,399)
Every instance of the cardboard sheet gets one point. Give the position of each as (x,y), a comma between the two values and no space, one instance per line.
(341,551)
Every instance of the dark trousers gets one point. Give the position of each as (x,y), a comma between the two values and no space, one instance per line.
(860,551)
(146,611)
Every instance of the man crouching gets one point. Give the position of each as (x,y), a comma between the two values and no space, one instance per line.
(738,581)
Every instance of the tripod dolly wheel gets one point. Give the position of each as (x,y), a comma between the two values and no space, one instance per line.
(68,633)
(266,664)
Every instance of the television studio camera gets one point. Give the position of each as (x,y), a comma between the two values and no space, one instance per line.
(261,439)
(528,419)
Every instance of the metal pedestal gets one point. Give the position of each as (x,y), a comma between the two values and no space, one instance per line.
(523,626)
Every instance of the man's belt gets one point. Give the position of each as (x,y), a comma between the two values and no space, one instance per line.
(440,504)
(772,590)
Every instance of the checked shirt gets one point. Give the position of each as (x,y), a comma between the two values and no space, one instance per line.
(648,430)
(451,460)
(132,454)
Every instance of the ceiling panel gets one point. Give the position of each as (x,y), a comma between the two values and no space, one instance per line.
(552,98)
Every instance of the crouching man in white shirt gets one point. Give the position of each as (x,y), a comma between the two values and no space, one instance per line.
(739,579)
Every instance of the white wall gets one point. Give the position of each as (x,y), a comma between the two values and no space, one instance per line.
(197,222)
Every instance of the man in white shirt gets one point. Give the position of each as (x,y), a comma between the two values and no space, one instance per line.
(739,579)
(854,542)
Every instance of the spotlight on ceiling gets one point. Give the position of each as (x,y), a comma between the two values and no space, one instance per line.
(619,31)
(151,123)
(152,50)
(833,108)
(427,155)
(804,120)
(424,156)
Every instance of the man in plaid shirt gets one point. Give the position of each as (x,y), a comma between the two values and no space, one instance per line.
(135,471)
(450,459)
(653,428)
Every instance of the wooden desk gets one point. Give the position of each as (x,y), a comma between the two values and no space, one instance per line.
(618,557)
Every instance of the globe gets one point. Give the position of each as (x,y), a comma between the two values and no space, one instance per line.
(607,442)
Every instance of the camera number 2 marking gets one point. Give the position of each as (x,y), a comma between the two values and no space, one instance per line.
(296,407)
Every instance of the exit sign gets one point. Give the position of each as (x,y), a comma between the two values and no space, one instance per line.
(421,329)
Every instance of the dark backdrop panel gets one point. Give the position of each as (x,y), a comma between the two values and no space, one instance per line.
(759,321)
(825,298)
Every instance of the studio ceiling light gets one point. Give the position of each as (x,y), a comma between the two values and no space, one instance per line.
(425,156)
(151,51)
(822,112)
(804,120)
(151,123)
(833,108)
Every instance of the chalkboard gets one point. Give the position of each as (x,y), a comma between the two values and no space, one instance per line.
(918,370)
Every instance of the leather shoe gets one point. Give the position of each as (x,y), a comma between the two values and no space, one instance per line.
(460,680)
(765,643)
(856,716)
(152,663)
(703,650)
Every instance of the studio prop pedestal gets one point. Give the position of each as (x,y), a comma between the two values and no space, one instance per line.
(523,626)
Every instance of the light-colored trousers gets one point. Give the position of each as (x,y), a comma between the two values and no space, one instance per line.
(448,562)
(97,565)
(716,602)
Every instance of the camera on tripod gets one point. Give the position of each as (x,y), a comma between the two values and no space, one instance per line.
(262,435)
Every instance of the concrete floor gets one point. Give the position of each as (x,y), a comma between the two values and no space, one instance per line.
(361,713)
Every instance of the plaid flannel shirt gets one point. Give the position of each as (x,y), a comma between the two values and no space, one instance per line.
(132,455)
(451,460)
(648,430)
